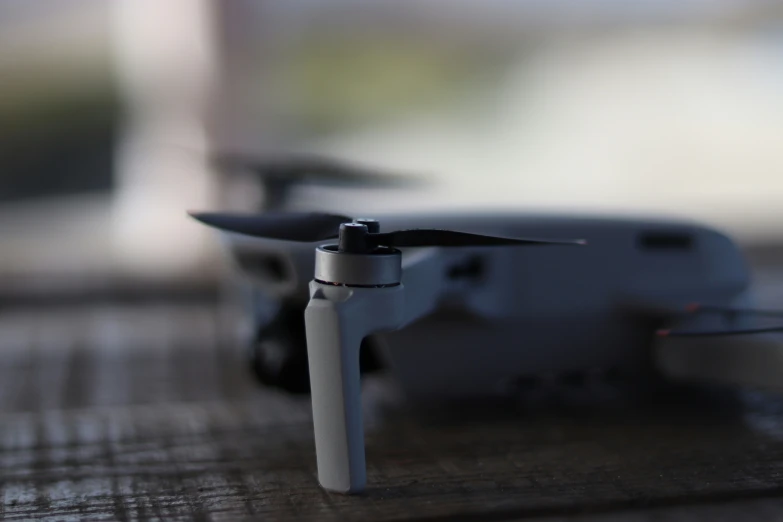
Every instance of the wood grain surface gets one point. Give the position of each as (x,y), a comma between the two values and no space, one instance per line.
(146,411)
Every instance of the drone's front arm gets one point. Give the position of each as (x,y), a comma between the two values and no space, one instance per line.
(337,319)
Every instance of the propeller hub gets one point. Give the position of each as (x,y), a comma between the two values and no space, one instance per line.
(353,238)
(373,226)
(380,268)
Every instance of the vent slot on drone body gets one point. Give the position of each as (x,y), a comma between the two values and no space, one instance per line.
(665,241)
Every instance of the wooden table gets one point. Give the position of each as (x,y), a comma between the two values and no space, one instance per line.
(144,410)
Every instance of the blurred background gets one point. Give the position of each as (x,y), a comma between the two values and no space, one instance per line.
(109,110)
(110,113)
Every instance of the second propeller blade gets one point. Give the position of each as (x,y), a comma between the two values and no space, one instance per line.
(287,226)
(449,238)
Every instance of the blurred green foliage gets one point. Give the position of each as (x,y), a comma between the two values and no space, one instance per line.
(335,82)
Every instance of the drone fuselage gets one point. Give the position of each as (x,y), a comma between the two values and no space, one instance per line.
(512,314)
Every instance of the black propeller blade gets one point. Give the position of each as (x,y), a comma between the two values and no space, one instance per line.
(279,174)
(292,169)
(354,237)
(717,333)
(288,226)
(423,237)
(729,312)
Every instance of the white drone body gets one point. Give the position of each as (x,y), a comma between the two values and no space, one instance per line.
(469,321)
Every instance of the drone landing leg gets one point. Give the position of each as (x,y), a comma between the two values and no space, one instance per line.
(337,319)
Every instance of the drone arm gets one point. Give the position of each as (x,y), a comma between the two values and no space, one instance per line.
(744,360)
(337,319)
(749,360)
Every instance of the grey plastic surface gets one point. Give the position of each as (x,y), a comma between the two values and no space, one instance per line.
(741,360)
(344,268)
(753,360)
(337,319)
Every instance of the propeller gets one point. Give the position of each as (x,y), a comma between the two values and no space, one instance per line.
(355,235)
(717,333)
(309,168)
(728,312)
(279,174)
(288,226)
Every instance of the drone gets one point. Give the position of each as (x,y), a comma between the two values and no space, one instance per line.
(463,305)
